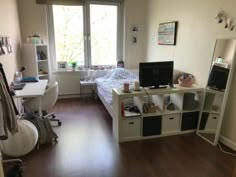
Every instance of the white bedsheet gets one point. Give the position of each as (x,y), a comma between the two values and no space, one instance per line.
(106,84)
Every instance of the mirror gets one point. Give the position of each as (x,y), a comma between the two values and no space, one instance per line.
(217,89)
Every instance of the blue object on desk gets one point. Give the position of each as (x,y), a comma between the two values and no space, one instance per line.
(29,79)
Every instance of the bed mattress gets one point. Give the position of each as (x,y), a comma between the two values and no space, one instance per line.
(104,87)
(114,80)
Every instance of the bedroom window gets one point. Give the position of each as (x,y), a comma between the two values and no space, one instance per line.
(69,33)
(85,34)
(103,28)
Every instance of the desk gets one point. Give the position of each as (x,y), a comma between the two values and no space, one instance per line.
(31,90)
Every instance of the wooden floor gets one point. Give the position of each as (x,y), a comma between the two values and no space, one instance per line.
(86,149)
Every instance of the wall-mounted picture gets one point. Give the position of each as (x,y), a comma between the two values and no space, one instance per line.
(62,65)
(134,40)
(167,33)
(5,46)
(134,28)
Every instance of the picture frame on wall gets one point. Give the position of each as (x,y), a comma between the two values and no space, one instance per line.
(62,65)
(167,33)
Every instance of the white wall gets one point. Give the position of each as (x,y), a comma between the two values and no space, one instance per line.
(10,27)
(33,19)
(135,14)
(197,33)
(196,36)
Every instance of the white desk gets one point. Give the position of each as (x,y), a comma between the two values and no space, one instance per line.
(31,90)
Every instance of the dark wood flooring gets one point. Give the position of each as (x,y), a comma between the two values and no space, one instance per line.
(86,148)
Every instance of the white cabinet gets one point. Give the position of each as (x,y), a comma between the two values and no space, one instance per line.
(130,129)
(36,60)
(170,123)
(173,111)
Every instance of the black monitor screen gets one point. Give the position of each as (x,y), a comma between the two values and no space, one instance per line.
(156,73)
(218,78)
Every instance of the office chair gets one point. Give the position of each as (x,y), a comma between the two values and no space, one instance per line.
(48,100)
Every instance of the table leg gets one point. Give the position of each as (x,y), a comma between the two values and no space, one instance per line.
(19,105)
(40,107)
(93,91)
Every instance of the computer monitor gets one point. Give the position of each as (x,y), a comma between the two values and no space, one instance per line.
(218,78)
(156,74)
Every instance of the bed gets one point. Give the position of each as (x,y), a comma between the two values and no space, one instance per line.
(114,79)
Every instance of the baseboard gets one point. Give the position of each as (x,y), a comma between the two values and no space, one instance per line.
(231,144)
(68,96)
(85,95)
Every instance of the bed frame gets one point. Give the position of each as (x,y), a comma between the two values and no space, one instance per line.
(107,106)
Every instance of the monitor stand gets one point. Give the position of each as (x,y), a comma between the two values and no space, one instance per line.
(158,87)
(162,86)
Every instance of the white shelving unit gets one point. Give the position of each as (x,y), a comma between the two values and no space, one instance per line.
(211,112)
(213,101)
(162,122)
(36,60)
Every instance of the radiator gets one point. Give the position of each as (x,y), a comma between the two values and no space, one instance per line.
(68,84)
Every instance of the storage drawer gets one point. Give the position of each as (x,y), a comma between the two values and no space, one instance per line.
(170,123)
(130,128)
(212,122)
(189,121)
(152,125)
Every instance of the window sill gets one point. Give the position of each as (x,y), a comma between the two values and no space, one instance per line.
(66,71)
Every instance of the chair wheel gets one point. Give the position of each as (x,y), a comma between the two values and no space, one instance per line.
(59,123)
(53,116)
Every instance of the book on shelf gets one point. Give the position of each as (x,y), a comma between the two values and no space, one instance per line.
(131,114)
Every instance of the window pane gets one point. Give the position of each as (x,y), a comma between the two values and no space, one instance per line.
(68,30)
(103,24)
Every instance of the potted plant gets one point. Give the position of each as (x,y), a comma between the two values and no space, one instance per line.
(73,64)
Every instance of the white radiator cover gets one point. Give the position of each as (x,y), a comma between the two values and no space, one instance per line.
(68,85)
(69,82)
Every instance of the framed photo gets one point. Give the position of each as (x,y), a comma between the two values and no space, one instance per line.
(167,33)
(134,40)
(134,28)
(62,65)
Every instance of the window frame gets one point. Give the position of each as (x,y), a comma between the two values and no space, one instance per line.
(87,41)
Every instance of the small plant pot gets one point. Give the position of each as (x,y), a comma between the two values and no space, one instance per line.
(73,67)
